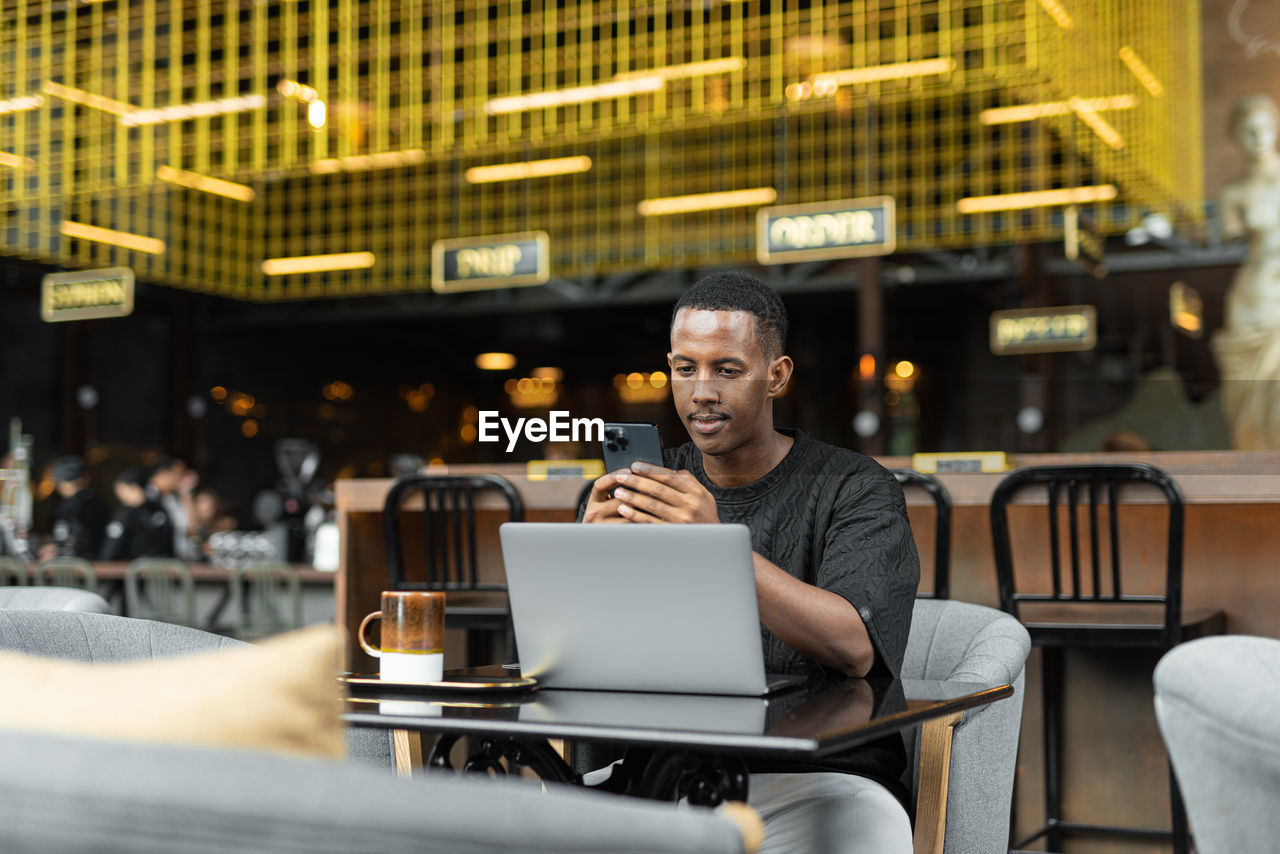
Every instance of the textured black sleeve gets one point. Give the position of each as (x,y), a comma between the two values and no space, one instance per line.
(869,557)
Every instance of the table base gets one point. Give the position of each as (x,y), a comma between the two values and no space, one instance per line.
(664,775)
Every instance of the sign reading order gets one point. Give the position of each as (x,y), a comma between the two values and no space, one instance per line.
(1044,330)
(482,263)
(87,294)
(845,229)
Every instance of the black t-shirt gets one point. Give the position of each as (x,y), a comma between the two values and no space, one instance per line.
(79,524)
(142,531)
(837,520)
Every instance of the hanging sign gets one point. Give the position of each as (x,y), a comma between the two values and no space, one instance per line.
(486,263)
(845,229)
(1044,330)
(87,294)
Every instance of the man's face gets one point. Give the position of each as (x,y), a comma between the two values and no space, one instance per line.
(166,480)
(720,379)
(130,494)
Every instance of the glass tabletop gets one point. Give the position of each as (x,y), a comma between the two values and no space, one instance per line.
(801,723)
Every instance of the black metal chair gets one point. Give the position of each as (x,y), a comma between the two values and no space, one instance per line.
(941,527)
(1092,609)
(449,548)
(64,571)
(160,589)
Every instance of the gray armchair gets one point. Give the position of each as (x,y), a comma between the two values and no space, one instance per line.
(61,793)
(1216,702)
(52,599)
(959,642)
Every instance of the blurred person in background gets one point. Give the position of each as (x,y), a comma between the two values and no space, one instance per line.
(173,485)
(140,528)
(80,521)
(210,518)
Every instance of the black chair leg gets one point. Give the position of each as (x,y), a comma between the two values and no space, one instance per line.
(1051,674)
(1178,814)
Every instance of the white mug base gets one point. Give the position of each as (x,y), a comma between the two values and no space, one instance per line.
(410,707)
(412,669)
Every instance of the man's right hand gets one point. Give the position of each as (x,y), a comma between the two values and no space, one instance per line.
(600,506)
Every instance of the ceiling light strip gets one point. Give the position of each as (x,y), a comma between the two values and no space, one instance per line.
(1139,68)
(706,201)
(18,105)
(1036,199)
(1030,112)
(1097,124)
(574,95)
(688,69)
(123,239)
(87,99)
(528,169)
(1058,13)
(365,162)
(16,161)
(200,110)
(205,183)
(317,263)
(878,73)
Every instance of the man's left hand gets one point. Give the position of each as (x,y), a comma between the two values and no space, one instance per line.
(653,494)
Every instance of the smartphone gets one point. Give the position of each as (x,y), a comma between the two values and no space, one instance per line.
(624,444)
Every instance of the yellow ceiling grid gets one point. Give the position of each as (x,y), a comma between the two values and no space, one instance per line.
(194,141)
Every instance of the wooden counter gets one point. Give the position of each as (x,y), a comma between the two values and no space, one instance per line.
(1113,755)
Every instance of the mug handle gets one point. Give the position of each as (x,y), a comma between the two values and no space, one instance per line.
(374,651)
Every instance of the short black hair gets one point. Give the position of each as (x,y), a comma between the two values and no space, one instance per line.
(737,291)
(68,469)
(133,475)
(164,462)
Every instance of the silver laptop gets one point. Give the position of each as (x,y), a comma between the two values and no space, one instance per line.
(637,607)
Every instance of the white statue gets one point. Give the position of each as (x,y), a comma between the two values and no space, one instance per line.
(1248,345)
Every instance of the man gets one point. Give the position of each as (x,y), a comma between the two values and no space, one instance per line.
(172,485)
(140,528)
(835,563)
(80,521)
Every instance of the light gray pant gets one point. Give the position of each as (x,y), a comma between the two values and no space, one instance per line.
(829,813)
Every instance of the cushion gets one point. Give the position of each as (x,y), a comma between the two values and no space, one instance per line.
(280,697)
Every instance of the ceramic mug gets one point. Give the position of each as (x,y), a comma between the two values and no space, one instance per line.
(412,644)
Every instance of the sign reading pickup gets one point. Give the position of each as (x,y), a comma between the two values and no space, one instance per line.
(87,294)
(846,229)
(485,263)
(1044,330)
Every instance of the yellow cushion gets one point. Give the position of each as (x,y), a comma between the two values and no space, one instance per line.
(280,697)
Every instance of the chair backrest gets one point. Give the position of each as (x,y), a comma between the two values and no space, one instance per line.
(941,527)
(160,589)
(52,599)
(1215,703)
(66,572)
(1073,488)
(266,599)
(449,528)
(13,571)
(959,642)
